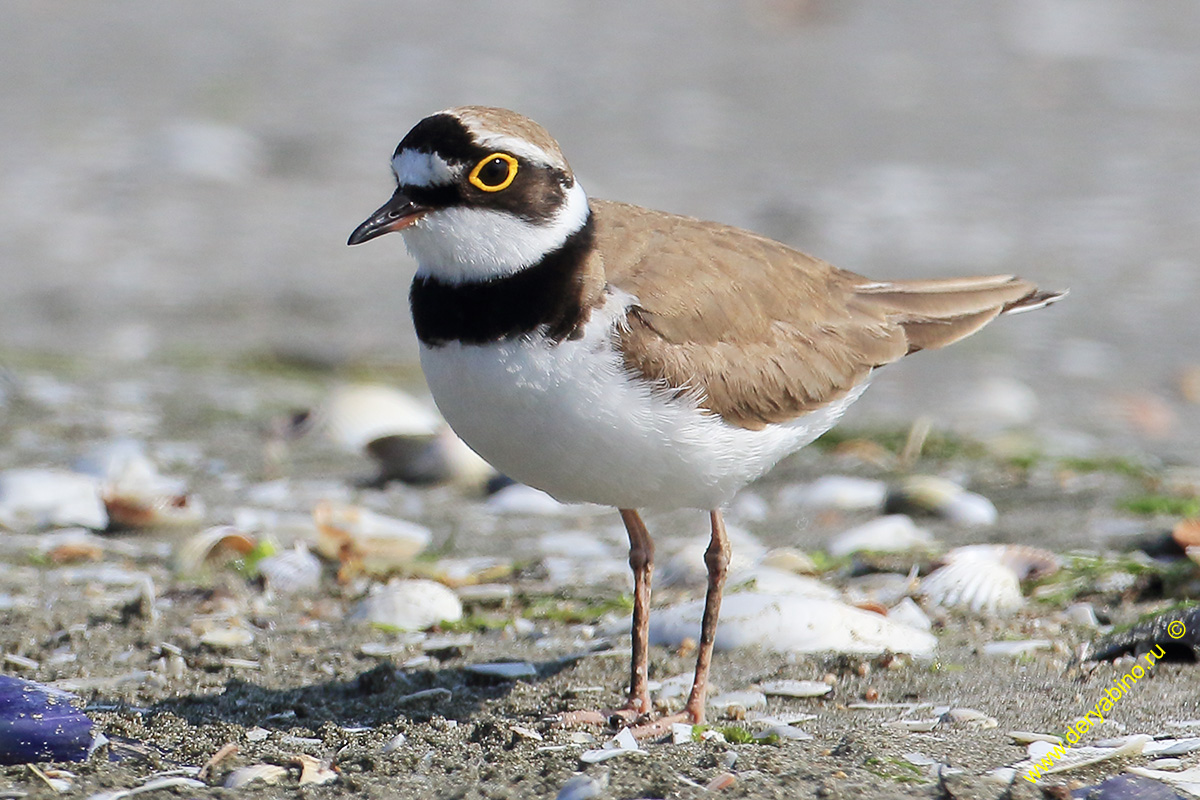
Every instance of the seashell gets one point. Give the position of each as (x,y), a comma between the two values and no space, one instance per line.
(583,787)
(227,638)
(986,578)
(212,546)
(723,781)
(682,733)
(621,744)
(354,415)
(50,498)
(267,773)
(411,605)
(782,623)
(71,544)
(509,670)
(970,718)
(794,688)
(445,458)
(295,570)
(469,571)
(913,725)
(395,743)
(892,534)
(787,732)
(364,541)
(747,700)
(517,498)
(929,494)
(766,580)
(135,493)
(39,723)
(885,588)
(789,559)
(839,492)
(1026,737)
(1016,648)
(313,770)
(906,612)
(981,585)
(408,440)
(1083,614)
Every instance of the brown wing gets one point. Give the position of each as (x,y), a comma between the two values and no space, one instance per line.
(763,333)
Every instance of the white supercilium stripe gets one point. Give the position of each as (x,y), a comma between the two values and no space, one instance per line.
(462,245)
(517,147)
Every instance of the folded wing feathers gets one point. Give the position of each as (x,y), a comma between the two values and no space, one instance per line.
(934,313)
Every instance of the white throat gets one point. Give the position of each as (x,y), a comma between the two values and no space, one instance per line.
(463,245)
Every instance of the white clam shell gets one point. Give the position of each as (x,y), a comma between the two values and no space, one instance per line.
(946,499)
(40,498)
(411,605)
(891,533)
(783,623)
(840,492)
(356,414)
(795,688)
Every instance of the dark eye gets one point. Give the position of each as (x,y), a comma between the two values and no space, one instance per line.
(493,173)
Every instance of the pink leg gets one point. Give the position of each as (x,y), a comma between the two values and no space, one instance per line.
(641,561)
(716,558)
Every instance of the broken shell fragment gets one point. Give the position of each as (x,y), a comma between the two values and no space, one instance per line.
(267,773)
(364,541)
(212,546)
(411,605)
(136,495)
(794,688)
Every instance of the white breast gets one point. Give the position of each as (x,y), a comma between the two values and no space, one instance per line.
(568,418)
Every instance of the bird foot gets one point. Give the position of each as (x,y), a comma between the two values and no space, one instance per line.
(640,724)
(614,718)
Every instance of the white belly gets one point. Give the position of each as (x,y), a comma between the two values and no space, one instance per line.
(567,419)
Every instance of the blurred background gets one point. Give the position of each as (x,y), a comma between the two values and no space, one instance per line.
(177,180)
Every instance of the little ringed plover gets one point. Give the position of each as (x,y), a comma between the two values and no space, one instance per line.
(612,354)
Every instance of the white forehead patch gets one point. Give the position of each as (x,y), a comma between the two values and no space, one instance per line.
(414,168)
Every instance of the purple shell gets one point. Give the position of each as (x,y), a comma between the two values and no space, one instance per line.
(38,723)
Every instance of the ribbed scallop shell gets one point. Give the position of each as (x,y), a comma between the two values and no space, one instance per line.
(986,578)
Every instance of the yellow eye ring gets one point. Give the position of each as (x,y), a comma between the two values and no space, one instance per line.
(479,183)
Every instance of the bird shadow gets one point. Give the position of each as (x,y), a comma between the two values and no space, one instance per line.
(378,696)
